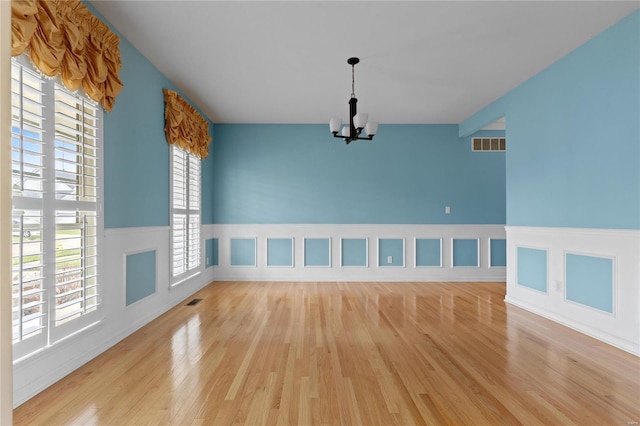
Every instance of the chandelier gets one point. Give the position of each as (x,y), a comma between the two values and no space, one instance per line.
(357,121)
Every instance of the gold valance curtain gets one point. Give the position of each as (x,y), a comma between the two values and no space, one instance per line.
(64,38)
(184,126)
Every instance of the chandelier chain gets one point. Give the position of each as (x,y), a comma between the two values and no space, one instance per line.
(353,81)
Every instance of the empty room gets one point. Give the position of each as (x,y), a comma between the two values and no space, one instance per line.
(319,212)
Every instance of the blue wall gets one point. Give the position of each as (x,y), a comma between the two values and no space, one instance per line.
(573,136)
(301,174)
(136,152)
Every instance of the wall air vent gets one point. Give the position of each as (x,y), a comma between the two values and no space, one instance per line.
(488,144)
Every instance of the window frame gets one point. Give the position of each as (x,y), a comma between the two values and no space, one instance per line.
(50,205)
(188,273)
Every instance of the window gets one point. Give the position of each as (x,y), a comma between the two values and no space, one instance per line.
(55,152)
(185,214)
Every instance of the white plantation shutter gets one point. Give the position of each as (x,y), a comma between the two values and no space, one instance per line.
(179,238)
(194,213)
(185,214)
(28,279)
(55,198)
(29,318)
(76,265)
(76,146)
(27,132)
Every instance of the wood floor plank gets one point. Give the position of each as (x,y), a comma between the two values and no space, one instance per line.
(297,353)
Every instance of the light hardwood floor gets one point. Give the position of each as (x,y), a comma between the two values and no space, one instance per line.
(348,353)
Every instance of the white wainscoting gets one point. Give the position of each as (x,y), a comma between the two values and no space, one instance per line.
(38,371)
(372,272)
(620,329)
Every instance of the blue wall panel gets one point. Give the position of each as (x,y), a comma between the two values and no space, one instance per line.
(279,252)
(243,252)
(317,252)
(532,268)
(393,247)
(465,252)
(589,281)
(498,250)
(286,173)
(140,276)
(428,252)
(354,252)
(211,252)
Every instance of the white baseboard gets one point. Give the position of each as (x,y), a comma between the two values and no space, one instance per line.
(620,328)
(625,345)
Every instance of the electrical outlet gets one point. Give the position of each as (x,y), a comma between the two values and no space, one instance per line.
(207,260)
(389,259)
(447,210)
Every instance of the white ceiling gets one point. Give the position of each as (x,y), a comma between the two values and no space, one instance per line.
(421,62)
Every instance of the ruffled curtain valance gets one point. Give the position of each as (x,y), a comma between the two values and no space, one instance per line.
(64,38)
(184,126)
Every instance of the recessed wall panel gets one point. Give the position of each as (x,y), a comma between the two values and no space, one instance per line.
(140,276)
(211,252)
(429,252)
(280,252)
(243,251)
(498,252)
(390,252)
(354,252)
(465,252)
(317,252)
(532,268)
(589,281)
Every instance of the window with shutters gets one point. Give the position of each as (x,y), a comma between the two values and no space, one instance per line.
(185,214)
(55,147)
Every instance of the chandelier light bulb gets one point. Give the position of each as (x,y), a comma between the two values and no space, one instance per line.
(335,124)
(371,128)
(360,120)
